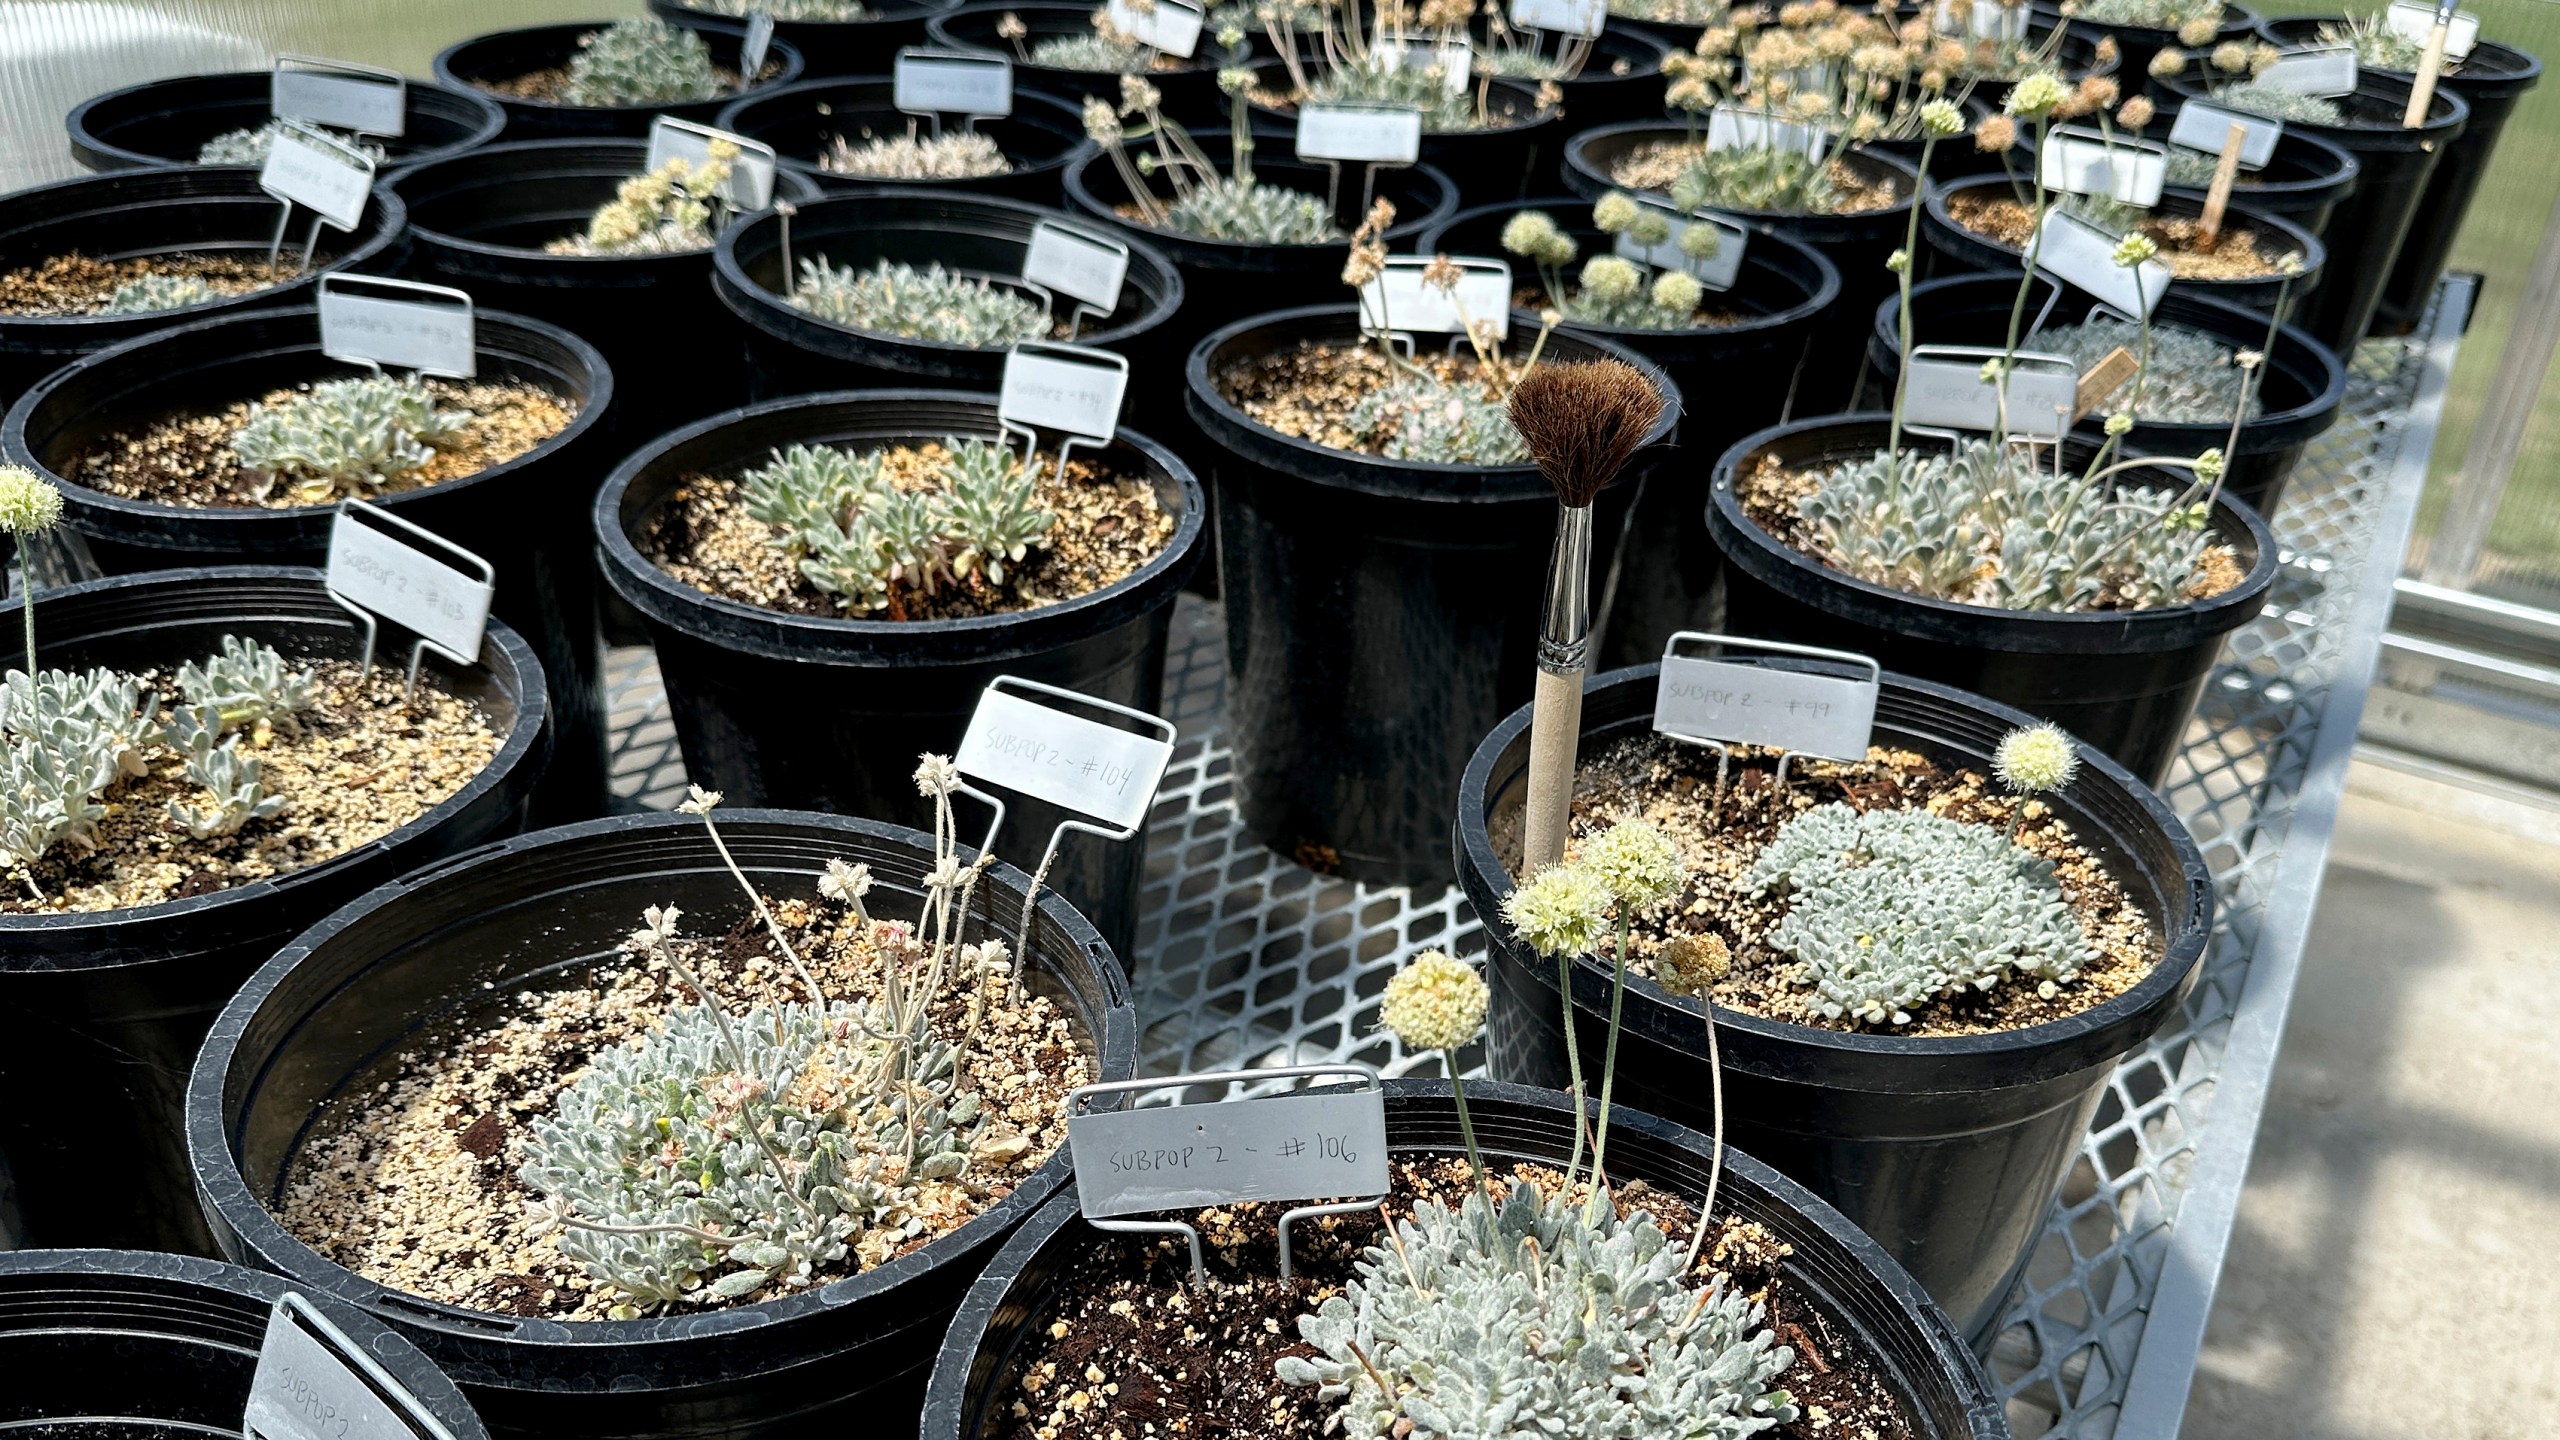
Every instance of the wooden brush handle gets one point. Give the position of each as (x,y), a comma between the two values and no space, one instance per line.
(2422,92)
(1555,731)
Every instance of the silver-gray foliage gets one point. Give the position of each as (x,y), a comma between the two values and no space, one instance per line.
(1251,211)
(250,146)
(157,292)
(2188,378)
(69,736)
(2278,103)
(859,538)
(1889,909)
(216,762)
(1528,1319)
(345,437)
(246,682)
(1420,417)
(928,304)
(641,62)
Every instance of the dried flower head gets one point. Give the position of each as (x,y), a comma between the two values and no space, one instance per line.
(1692,964)
(1564,911)
(2230,56)
(29,505)
(2033,759)
(698,801)
(2136,113)
(936,776)
(1995,134)
(2167,62)
(2198,31)
(1010,27)
(1435,1003)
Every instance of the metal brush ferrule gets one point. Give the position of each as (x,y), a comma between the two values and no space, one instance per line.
(1565,637)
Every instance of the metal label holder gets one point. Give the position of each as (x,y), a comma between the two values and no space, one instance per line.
(335,283)
(370,624)
(1724,750)
(1993,352)
(1369,168)
(1067,440)
(284,221)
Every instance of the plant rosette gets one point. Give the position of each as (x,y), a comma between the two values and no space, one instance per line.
(1981,224)
(1059,51)
(844,134)
(1855,997)
(743,1097)
(612,79)
(1068,1311)
(227,119)
(836,37)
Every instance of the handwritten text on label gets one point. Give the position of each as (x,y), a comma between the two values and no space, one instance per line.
(1384,135)
(386,575)
(1948,392)
(1308,1145)
(1826,715)
(301,1390)
(319,173)
(1088,767)
(949,82)
(1072,262)
(341,99)
(426,328)
(1061,387)
(1400,299)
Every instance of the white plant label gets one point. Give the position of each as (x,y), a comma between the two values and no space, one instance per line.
(2412,21)
(1987,21)
(313,1383)
(2079,253)
(1716,271)
(1946,391)
(319,172)
(952,82)
(1456,62)
(1076,263)
(1374,134)
(365,320)
(750,182)
(2204,127)
(342,97)
(1083,765)
(1563,17)
(1826,715)
(753,49)
(1075,389)
(1399,299)
(382,571)
(1306,1145)
(1172,26)
(2314,70)
(1732,129)
(2084,163)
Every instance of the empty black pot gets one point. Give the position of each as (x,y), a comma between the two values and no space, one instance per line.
(333,1012)
(2370,222)
(673,346)
(122,1343)
(487,61)
(1189,86)
(1734,377)
(2122,681)
(1948,1150)
(792,352)
(838,47)
(105,1009)
(199,211)
(826,713)
(1854,1286)
(167,122)
(1958,250)
(801,121)
(526,517)
(1378,611)
(2300,391)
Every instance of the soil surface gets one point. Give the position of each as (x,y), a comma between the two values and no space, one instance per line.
(1107,528)
(1656,164)
(1673,786)
(187,459)
(81,285)
(355,768)
(2239,253)
(414,1184)
(1130,1351)
(1308,392)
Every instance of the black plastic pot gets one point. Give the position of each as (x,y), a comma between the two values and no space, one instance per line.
(527,517)
(2300,391)
(486,216)
(167,122)
(1672,33)
(105,1009)
(2303,181)
(1947,1150)
(2370,222)
(1856,245)
(1857,1289)
(1747,370)
(204,210)
(1378,611)
(1957,250)
(505,55)
(1498,162)
(800,121)
(121,1343)
(825,713)
(841,47)
(1189,87)
(1603,94)
(2121,681)
(333,1012)
(2136,44)
(792,352)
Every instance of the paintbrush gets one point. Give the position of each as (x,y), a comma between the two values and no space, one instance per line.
(1582,423)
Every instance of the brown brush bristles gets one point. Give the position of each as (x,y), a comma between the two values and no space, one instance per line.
(1582,422)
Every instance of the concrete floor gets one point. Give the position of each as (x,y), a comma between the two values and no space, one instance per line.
(2396,1270)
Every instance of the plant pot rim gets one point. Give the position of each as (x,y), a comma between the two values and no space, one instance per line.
(662,592)
(1765,555)
(2520,68)
(2183,934)
(1196,64)
(947,1394)
(2447,112)
(1532,113)
(1215,146)
(229,1200)
(570,32)
(1412,478)
(2315,254)
(1062,118)
(751,299)
(492,116)
(533,714)
(1826,291)
(786,179)
(1905,176)
(85,498)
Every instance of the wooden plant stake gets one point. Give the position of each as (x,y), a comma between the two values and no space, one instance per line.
(2226,170)
(2102,380)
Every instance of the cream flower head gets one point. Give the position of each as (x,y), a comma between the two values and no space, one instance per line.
(2035,758)
(1635,861)
(1435,1003)
(29,504)
(1564,911)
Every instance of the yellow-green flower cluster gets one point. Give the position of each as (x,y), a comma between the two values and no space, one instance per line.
(2033,759)
(29,504)
(1435,1003)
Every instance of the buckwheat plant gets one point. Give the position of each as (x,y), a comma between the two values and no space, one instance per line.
(736,1150)
(641,62)
(668,211)
(952,155)
(929,304)
(246,683)
(1417,414)
(250,146)
(1206,201)
(157,292)
(344,437)
(2190,18)
(2033,760)
(29,507)
(1388,55)
(2378,46)
(1613,291)
(856,536)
